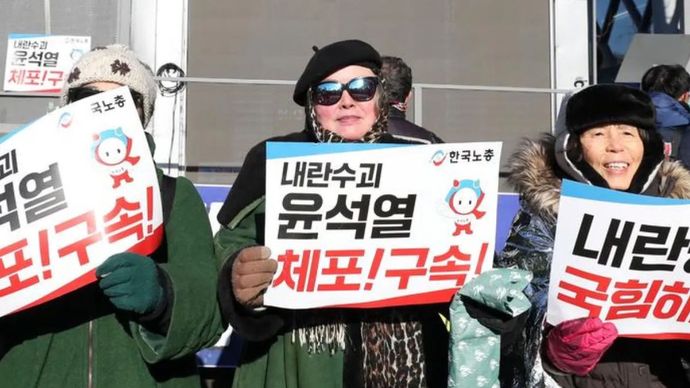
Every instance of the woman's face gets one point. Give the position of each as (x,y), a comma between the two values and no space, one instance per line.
(348,118)
(614,151)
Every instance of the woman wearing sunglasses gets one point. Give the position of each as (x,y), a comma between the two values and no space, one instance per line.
(141,323)
(343,98)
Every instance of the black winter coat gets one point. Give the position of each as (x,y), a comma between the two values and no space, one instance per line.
(629,362)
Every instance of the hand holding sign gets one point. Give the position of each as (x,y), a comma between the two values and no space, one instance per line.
(75,206)
(252,273)
(575,346)
(131,282)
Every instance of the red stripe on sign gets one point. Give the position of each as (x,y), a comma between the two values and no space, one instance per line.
(149,203)
(66,289)
(149,245)
(482,255)
(145,247)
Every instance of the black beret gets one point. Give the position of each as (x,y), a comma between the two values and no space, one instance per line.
(332,58)
(606,104)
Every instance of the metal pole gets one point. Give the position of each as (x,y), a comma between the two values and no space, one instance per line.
(238,81)
(593,55)
(552,61)
(46,15)
(418,105)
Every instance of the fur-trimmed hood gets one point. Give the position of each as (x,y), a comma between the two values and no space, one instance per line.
(536,176)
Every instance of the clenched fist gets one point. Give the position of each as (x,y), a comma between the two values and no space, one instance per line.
(252,273)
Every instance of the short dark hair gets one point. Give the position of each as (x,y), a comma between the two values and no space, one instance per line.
(398,78)
(574,147)
(673,80)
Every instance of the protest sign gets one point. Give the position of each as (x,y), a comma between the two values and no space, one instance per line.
(372,225)
(624,258)
(76,186)
(41,63)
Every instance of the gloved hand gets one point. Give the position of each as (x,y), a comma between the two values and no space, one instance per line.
(131,282)
(252,273)
(576,346)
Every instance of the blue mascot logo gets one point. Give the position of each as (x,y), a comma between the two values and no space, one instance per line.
(112,149)
(464,199)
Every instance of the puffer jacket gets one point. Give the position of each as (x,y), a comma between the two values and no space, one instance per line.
(480,336)
(629,362)
(673,124)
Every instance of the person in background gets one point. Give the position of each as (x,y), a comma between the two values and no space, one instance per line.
(341,92)
(398,84)
(141,323)
(669,88)
(610,142)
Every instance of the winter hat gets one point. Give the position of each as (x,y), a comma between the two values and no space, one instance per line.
(332,58)
(605,104)
(114,63)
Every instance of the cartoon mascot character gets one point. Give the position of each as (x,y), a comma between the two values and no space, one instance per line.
(464,199)
(112,149)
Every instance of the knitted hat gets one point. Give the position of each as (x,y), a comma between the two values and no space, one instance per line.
(114,63)
(605,104)
(332,58)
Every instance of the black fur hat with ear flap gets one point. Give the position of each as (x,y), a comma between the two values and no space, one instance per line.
(606,104)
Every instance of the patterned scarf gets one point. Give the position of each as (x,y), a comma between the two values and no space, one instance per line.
(392,348)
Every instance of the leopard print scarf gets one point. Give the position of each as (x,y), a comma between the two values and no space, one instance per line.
(391,344)
(392,349)
(393,354)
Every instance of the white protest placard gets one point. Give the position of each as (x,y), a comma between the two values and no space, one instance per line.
(76,186)
(624,258)
(41,63)
(373,225)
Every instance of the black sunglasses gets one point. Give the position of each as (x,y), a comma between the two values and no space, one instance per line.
(360,89)
(76,94)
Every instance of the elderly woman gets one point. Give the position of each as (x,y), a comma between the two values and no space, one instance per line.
(141,323)
(610,142)
(343,99)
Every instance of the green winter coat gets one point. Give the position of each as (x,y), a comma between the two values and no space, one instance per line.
(274,363)
(80,340)
(272,357)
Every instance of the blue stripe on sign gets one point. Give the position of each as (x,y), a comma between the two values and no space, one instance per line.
(13,132)
(25,36)
(277,150)
(584,191)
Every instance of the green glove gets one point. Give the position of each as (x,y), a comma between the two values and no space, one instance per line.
(131,282)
